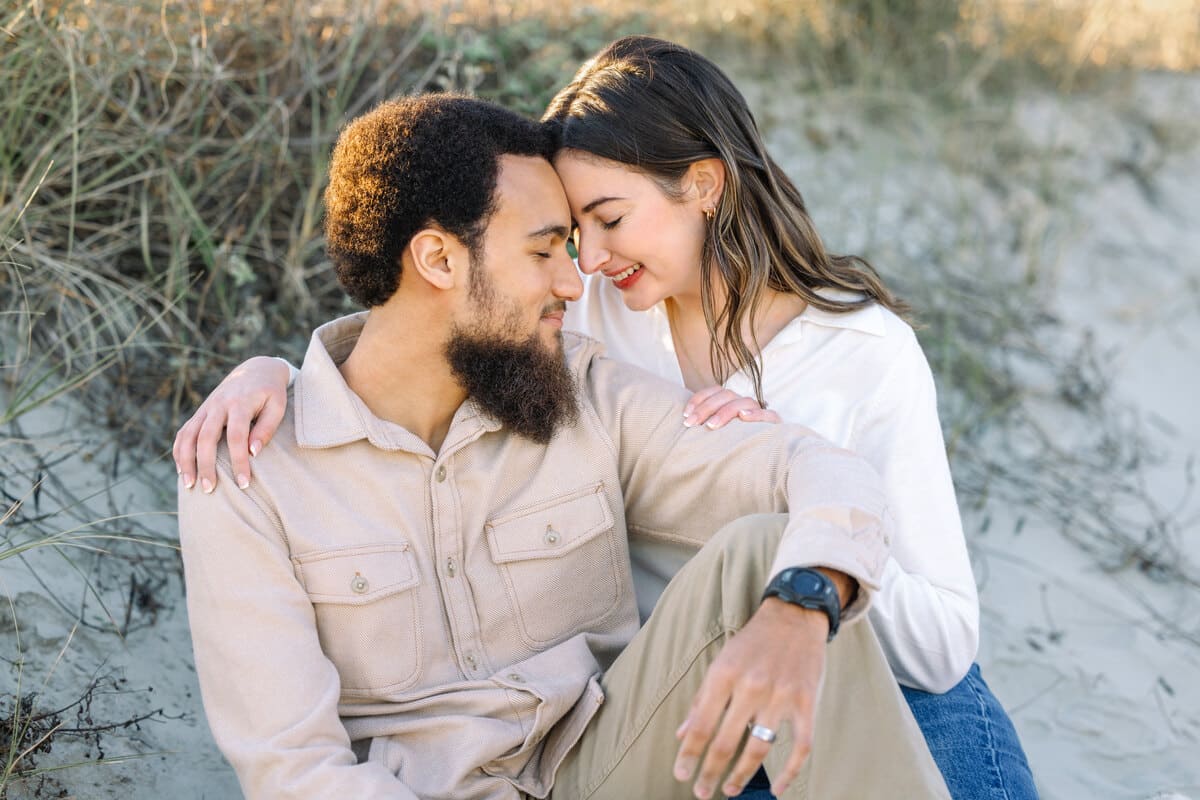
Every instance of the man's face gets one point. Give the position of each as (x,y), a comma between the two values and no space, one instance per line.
(523,278)
(505,347)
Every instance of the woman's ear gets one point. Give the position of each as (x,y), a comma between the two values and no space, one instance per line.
(706,182)
(438,257)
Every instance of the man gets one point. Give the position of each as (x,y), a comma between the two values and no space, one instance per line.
(426,592)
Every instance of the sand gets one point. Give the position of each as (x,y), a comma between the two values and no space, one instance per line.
(1098,666)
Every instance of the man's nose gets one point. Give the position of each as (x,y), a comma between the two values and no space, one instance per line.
(567,283)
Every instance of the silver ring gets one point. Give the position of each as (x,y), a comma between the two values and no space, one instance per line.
(761,732)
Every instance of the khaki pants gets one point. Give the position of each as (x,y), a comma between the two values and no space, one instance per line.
(866,743)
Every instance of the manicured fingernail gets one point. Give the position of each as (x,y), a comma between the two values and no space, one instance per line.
(243,482)
(178,470)
(188,481)
(255,446)
(712,424)
(687,410)
(684,769)
(689,421)
(207,484)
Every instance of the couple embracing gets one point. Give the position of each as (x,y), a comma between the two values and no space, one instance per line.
(516,532)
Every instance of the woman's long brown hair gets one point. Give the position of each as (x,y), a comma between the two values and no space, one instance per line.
(659,107)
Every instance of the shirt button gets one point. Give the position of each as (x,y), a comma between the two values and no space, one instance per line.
(359,584)
(440,475)
(515,678)
(552,536)
(471,662)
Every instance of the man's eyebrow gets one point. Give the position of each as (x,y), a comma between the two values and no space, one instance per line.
(599,201)
(550,230)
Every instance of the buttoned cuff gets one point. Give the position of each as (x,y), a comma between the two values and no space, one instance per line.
(819,543)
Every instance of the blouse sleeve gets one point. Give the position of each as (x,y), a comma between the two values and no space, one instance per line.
(926,612)
(293,370)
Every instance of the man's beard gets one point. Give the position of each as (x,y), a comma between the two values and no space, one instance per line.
(522,383)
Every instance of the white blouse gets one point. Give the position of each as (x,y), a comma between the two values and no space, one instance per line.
(861,380)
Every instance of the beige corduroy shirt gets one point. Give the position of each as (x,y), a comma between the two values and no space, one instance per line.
(450,613)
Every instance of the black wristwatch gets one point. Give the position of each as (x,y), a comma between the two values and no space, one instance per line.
(810,589)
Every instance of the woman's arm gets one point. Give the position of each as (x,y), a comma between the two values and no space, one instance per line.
(926,613)
(249,403)
(927,610)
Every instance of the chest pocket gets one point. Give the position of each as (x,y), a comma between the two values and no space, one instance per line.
(559,563)
(365,601)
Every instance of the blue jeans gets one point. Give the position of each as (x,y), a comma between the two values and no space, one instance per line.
(972,741)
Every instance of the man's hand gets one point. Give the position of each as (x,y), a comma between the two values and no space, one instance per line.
(767,674)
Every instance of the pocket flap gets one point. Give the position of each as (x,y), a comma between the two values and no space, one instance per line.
(357,575)
(552,528)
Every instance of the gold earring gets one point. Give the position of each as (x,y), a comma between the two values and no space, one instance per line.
(709,213)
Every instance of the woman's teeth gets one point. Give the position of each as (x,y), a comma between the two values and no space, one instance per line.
(620,276)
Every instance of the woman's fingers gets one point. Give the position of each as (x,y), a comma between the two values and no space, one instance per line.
(251,401)
(717,407)
(267,422)
(237,436)
(704,409)
(184,449)
(759,415)
(699,397)
(206,449)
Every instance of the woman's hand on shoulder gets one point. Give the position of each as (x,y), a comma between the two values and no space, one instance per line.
(249,404)
(715,406)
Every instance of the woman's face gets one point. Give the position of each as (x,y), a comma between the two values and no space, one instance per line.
(647,243)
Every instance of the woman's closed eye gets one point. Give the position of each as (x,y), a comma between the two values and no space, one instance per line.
(608,226)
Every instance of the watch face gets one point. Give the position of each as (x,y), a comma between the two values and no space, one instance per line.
(805,583)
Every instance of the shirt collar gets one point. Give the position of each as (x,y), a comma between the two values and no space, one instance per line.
(868,319)
(328,413)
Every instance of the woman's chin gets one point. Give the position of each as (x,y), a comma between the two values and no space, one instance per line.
(639,301)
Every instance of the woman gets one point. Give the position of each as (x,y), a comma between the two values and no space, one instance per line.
(702,265)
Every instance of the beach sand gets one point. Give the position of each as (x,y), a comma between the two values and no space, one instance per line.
(1098,663)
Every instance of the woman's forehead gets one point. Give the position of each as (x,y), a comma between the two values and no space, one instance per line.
(588,178)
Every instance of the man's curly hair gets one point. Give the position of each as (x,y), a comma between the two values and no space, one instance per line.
(410,163)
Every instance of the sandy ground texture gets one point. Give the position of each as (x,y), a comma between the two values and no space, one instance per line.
(1096,656)
(1095,196)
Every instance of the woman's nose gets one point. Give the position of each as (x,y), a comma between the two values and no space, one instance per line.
(592,256)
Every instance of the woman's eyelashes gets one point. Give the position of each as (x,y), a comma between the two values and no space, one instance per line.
(608,226)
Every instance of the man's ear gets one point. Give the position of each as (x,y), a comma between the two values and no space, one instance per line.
(438,257)
(705,181)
